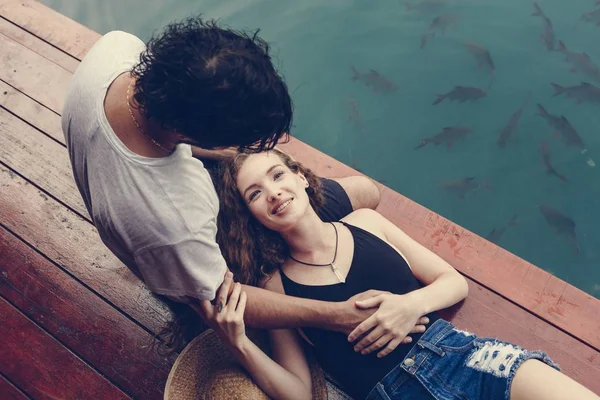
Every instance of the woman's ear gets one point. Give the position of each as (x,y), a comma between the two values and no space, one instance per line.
(303,178)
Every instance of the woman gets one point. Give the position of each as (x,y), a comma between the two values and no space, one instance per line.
(268,205)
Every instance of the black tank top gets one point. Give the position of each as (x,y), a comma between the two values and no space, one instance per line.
(375,265)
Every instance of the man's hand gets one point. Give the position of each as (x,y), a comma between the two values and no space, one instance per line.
(394,317)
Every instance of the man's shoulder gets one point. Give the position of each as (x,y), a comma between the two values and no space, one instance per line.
(114,40)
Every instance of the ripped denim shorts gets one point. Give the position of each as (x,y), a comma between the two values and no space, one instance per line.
(447,363)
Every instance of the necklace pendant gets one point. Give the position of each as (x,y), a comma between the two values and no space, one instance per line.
(337,273)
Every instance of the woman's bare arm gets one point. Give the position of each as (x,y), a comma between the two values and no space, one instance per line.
(396,313)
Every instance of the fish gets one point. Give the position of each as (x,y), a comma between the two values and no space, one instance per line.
(496,234)
(545,152)
(440,23)
(464,186)
(563,127)
(592,16)
(563,224)
(426,6)
(448,136)
(462,94)
(580,62)
(483,58)
(548,37)
(582,92)
(374,80)
(512,124)
(354,114)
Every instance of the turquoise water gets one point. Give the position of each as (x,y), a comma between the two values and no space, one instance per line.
(374,123)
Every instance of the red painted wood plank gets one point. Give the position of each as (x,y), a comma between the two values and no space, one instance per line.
(74,244)
(80,320)
(34,43)
(43,367)
(477,258)
(33,74)
(9,391)
(62,32)
(39,159)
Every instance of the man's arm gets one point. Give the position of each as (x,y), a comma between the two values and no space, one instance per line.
(215,155)
(270,310)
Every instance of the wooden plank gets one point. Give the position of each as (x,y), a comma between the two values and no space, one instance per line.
(43,367)
(33,74)
(39,159)
(34,43)
(74,244)
(47,24)
(31,111)
(563,305)
(10,391)
(80,320)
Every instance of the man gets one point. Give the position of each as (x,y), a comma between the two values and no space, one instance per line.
(134,118)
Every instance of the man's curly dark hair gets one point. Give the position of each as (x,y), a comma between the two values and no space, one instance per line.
(218,87)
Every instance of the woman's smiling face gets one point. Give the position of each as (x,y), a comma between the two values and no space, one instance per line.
(275,195)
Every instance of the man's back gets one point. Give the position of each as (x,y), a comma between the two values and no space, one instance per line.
(158,215)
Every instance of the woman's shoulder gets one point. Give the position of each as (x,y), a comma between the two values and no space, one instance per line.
(367,219)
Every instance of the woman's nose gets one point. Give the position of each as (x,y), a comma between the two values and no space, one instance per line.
(274,194)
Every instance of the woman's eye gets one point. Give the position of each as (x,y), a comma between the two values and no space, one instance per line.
(253,195)
(278,174)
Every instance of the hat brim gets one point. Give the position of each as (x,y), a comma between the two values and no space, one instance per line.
(206,366)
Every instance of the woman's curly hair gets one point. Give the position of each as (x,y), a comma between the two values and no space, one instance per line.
(252,251)
(218,87)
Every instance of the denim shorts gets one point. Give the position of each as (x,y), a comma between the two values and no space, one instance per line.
(447,363)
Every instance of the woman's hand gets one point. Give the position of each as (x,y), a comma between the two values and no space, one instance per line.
(226,317)
(396,317)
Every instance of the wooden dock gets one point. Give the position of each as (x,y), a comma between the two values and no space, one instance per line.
(76,324)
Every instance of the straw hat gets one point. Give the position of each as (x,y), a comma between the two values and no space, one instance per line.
(206,370)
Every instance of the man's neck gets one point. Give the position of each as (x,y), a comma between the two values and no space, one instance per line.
(136,137)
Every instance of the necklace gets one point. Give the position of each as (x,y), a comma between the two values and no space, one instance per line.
(331,264)
(138,125)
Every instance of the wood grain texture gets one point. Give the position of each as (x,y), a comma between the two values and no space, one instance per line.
(80,320)
(44,368)
(40,159)
(47,24)
(32,112)
(41,47)
(33,74)
(74,244)
(10,392)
